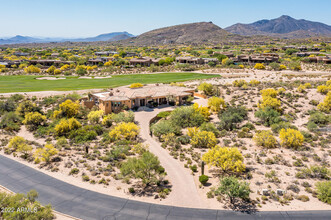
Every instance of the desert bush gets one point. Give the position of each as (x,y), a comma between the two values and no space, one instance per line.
(228,159)
(291,138)
(203,179)
(265,139)
(324,191)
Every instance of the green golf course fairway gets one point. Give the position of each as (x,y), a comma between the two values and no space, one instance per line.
(24,83)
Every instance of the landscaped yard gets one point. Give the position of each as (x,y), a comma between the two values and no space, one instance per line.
(30,84)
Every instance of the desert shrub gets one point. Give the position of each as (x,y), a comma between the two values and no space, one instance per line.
(66,125)
(233,188)
(128,131)
(185,139)
(74,171)
(45,153)
(136,85)
(203,139)
(239,83)
(324,191)
(67,109)
(291,138)
(186,116)
(228,159)
(163,114)
(94,116)
(83,134)
(10,121)
(26,107)
(206,88)
(282,125)
(32,69)
(216,104)
(259,66)
(147,168)
(203,179)
(319,172)
(231,116)
(265,139)
(164,127)
(207,126)
(33,120)
(268,116)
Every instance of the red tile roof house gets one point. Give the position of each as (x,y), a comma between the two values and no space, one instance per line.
(115,100)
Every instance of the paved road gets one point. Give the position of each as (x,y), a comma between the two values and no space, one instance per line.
(86,204)
(184,191)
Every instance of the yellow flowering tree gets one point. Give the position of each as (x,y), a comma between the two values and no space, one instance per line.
(66,125)
(94,116)
(45,154)
(34,119)
(127,131)
(265,139)
(68,109)
(291,138)
(51,69)
(32,69)
(229,159)
(259,66)
(325,106)
(203,139)
(216,104)
(202,110)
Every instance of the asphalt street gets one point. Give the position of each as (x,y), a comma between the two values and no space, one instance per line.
(86,204)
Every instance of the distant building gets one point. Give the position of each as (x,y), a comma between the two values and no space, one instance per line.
(21,54)
(127,98)
(49,62)
(257,58)
(105,53)
(143,61)
(190,60)
(97,61)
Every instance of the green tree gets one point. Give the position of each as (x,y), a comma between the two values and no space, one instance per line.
(233,188)
(231,116)
(147,168)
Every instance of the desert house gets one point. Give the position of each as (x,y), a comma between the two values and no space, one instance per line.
(115,100)
(190,60)
(144,61)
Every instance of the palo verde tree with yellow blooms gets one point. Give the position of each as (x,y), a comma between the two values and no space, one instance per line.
(32,69)
(66,125)
(124,131)
(325,106)
(202,110)
(291,138)
(67,109)
(19,144)
(216,104)
(265,139)
(45,154)
(33,120)
(269,99)
(203,139)
(95,116)
(228,159)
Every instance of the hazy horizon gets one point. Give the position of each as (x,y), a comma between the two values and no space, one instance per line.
(81,19)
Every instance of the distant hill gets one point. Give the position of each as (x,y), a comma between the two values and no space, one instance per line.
(284,26)
(103,37)
(193,33)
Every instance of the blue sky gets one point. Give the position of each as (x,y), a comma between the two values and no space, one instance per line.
(82,18)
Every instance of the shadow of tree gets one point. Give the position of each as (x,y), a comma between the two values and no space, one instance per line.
(245,206)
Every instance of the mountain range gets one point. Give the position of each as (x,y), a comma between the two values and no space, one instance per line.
(201,33)
(115,36)
(193,33)
(283,27)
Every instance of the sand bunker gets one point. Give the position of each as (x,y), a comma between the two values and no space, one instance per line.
(50,78)
(102,77)
(85,77)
